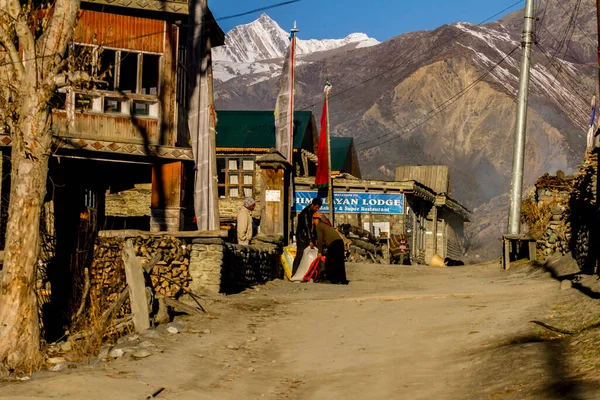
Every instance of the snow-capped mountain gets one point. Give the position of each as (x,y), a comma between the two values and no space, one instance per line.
(259,47)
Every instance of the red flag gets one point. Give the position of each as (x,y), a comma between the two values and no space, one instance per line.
(322,178)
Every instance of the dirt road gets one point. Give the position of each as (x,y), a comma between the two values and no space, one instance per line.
(393,333)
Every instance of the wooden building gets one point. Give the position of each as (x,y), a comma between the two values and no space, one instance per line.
(129,127)
(433,222)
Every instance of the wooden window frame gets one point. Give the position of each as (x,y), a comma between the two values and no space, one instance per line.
(240,172)
(127,99)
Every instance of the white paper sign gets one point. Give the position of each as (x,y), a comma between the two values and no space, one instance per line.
(273,195)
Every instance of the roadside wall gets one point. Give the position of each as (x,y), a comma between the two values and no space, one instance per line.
(570,206)
(217,266)
(196,264)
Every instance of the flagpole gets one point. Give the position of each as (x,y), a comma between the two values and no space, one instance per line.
(330,186)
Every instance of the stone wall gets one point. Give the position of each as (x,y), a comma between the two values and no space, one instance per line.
(195,264)
(570,206)
(223,267)
(130,203)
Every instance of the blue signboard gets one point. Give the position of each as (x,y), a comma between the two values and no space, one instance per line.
(355,202)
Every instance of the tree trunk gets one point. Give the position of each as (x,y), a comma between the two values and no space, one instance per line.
(20,333)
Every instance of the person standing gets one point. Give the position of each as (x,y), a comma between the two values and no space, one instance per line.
(305,234)
(327,236)
(244,221)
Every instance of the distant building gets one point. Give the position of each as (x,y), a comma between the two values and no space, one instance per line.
(242,136)
(432,221)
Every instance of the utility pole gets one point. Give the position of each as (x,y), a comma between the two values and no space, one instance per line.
(516,185)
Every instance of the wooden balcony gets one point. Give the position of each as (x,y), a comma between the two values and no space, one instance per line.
(107,127)
(103,122)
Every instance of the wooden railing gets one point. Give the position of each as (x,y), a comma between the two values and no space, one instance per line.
(107,117)
(106,127)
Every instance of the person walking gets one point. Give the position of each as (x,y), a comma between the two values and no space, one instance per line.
(328,237)
(244,221)
(305,234)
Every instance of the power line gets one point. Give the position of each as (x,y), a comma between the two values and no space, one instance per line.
(436,111)
(285,3)
(405,62)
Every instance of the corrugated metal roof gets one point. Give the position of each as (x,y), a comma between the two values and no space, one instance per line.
(256,129)
(340,153)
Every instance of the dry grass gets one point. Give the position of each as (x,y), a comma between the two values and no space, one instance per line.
(537,216)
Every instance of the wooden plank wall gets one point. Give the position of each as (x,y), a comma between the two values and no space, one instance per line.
(107,127)
(436,177)
(120,31)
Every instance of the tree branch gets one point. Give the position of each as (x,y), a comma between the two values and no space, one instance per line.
(58,33)
(26,39)
(15,61)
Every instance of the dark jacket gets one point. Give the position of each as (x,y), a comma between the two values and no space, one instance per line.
(326,235)
(305,232)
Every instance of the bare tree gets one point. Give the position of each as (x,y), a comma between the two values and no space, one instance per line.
(33,38)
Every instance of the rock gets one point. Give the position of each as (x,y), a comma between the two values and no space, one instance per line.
(566,284)
(55,360)
(152,334)
(233,347)
(103,353)
(556,217)
(141,353)
(173,330)
(61,366)
(253,339)
(250,369)
(180,326)
(206,331)
(146,344)
(116,353)
(66,346)
(207,241)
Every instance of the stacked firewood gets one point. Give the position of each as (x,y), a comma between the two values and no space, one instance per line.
(170,275)
(364,247)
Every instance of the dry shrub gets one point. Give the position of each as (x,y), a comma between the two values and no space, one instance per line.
(537,215)
(98,326)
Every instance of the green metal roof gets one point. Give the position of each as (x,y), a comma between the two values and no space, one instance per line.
(256,129)
(340,153)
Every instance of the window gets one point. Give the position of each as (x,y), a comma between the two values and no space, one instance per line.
(58,101)
(106,68)
(112,105)
(128,72)
(124,82)
(86,102)
(145,108)
(236,177)
(150,74)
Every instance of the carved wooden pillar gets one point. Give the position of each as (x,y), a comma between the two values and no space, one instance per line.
(275,173)
(167,204)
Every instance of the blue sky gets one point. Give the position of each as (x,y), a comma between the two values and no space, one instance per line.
(381,19)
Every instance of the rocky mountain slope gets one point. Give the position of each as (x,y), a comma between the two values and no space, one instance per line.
(448,96)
